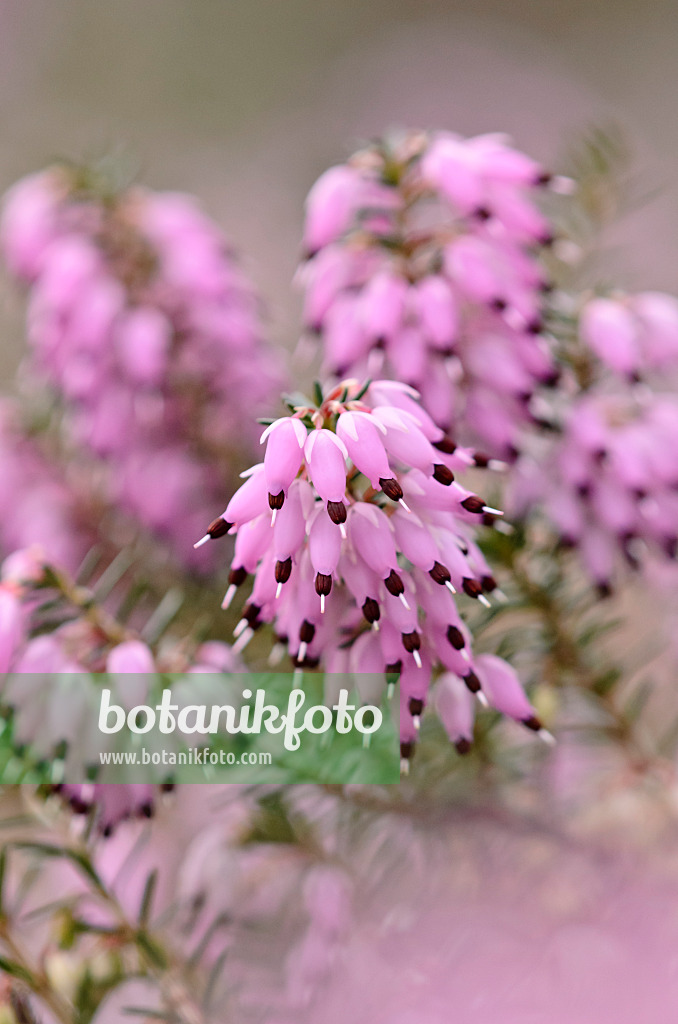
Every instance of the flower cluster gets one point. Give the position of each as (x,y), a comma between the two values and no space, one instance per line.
(358,537)
(632,335)
(51,667)
(423,265)
(141,321)
(609,481)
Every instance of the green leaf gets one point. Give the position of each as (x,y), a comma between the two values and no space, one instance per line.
(144,1011)
(635,705)
(213,979)
(363,389)
(75,856)
(3,868)
(16,971)
(147,898)
(151,950)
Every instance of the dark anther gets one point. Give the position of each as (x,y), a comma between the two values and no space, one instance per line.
(306,632)
(411,641)
(599,456)
(276,501)
(472,682)
(218,528)
(337,512)
(670,546)
(371,610)
(488,584)
(553,378)
(584,490)
(481,460)
(446,445)
(533,723)
(604,590)
(406,750)
(547,240)
(323,584)
(489,519)
(439,574)
(443,475)
(283,570)
(535,326)
(394,584)
(463,746)
(416,706)
(391,488)
(237,577)
(167,787)
(147,810)
(473,504)
(471,587)
(498,305)
(482,213)
(251,615)
(307,663)
(395,668)
(456,637)
(544,178)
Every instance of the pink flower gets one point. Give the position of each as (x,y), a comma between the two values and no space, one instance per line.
(424,267)
(608,480)
(286,439)
(609,329)
(350,574)
(141,321)
(456,710)
(633,335)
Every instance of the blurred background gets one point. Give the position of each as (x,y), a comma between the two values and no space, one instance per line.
(245,103)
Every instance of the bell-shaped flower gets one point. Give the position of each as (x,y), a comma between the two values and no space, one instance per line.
(326,456)
(504,690)
(609,329)
(362,435)
(456,709)
(285,440)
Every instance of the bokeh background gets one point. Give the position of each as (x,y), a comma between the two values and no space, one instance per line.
(244,102)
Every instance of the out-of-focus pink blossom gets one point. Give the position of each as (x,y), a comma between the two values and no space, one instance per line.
(423,265)
(608,481)
(142,322)
(633,335)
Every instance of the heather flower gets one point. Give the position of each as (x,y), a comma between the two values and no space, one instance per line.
(359,538)
(423,264)
(608,482)
(54,673)
(632,335)
(142,323)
